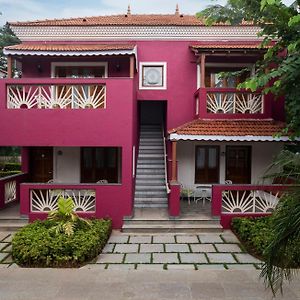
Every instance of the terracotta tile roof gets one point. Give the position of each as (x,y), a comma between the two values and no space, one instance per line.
(70,47)
(228,45)
(124,20)
(230,127)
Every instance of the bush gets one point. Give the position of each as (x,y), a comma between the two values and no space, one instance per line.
(12,167)
(257,233)
(35,245)
(254,233)
(8,173)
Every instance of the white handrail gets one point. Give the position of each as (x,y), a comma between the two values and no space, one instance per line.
(165,162)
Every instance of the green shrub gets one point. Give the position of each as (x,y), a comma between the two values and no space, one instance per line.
(12,167)
(8,173)
(257,233)
(35,245)
(254,233)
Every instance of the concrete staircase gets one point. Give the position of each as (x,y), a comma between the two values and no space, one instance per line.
(158,221)
(150,189)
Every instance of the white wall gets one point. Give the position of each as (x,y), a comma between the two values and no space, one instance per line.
(66,164)
(262,155)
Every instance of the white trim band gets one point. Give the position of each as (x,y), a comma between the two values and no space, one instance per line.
(69,53)
(113,33)
(191,137)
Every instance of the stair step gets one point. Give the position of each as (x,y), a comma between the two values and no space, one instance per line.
(12,226)
(150,172)
(149,199)
(150,188)
(149,182)
(150,166)
(166,228)
(150,194)
(172,222)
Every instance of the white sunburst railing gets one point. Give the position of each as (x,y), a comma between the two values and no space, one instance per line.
(45,200)
(10,191)
(234,102)
(56,96)
(249,202)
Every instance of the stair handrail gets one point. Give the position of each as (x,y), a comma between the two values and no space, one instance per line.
(165,162)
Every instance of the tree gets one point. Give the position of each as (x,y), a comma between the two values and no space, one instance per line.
(280,27)
(7,38)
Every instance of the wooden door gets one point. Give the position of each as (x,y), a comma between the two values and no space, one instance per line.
(41,164)
(238,164)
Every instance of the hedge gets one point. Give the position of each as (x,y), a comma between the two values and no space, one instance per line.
(37,246)
(255,235)
(11,167)
(8,173)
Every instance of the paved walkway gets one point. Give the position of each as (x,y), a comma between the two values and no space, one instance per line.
(95,284)
(163,251)
(175,251)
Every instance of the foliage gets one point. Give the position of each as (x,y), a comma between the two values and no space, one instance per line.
(255,233)
(11,167)
(280,29)
(64,218)
(7,38)
(36,245)
(8,173)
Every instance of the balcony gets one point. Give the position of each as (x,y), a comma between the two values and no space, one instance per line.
(48,96)
(230,103)
(63,111)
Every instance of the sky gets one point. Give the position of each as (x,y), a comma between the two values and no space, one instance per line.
(24,10)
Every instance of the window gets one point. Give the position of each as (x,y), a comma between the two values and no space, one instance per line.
(100,163)
(153,75)
(207,164)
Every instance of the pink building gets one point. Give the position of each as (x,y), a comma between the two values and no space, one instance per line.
(122,112)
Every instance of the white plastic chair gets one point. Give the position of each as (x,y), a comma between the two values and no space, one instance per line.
(202,193)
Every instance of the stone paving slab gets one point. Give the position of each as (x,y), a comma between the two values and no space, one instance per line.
(126,248)
(8,259)
(221,258)
(210,238)
(138,258)
(110,258)
(187,239)
(4,266)
(229,237)
(94,267)
(148,248)
(108,248)
(203,248)
(3,245)
(164,239)
(3,256)
(177,248)
(8,239)
(246,258)
(192,258)
(3,235)
(228,248)
(162,258)
(118,239)
(140,239)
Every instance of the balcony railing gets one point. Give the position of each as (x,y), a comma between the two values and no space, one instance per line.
(51,96)
(9,188)
(234,102)
(229,201)
(229,102)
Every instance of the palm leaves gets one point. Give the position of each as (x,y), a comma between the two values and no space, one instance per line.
(283,253)
(65,219)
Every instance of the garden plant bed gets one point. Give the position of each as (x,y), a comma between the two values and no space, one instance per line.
(255,234)
(36,245)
